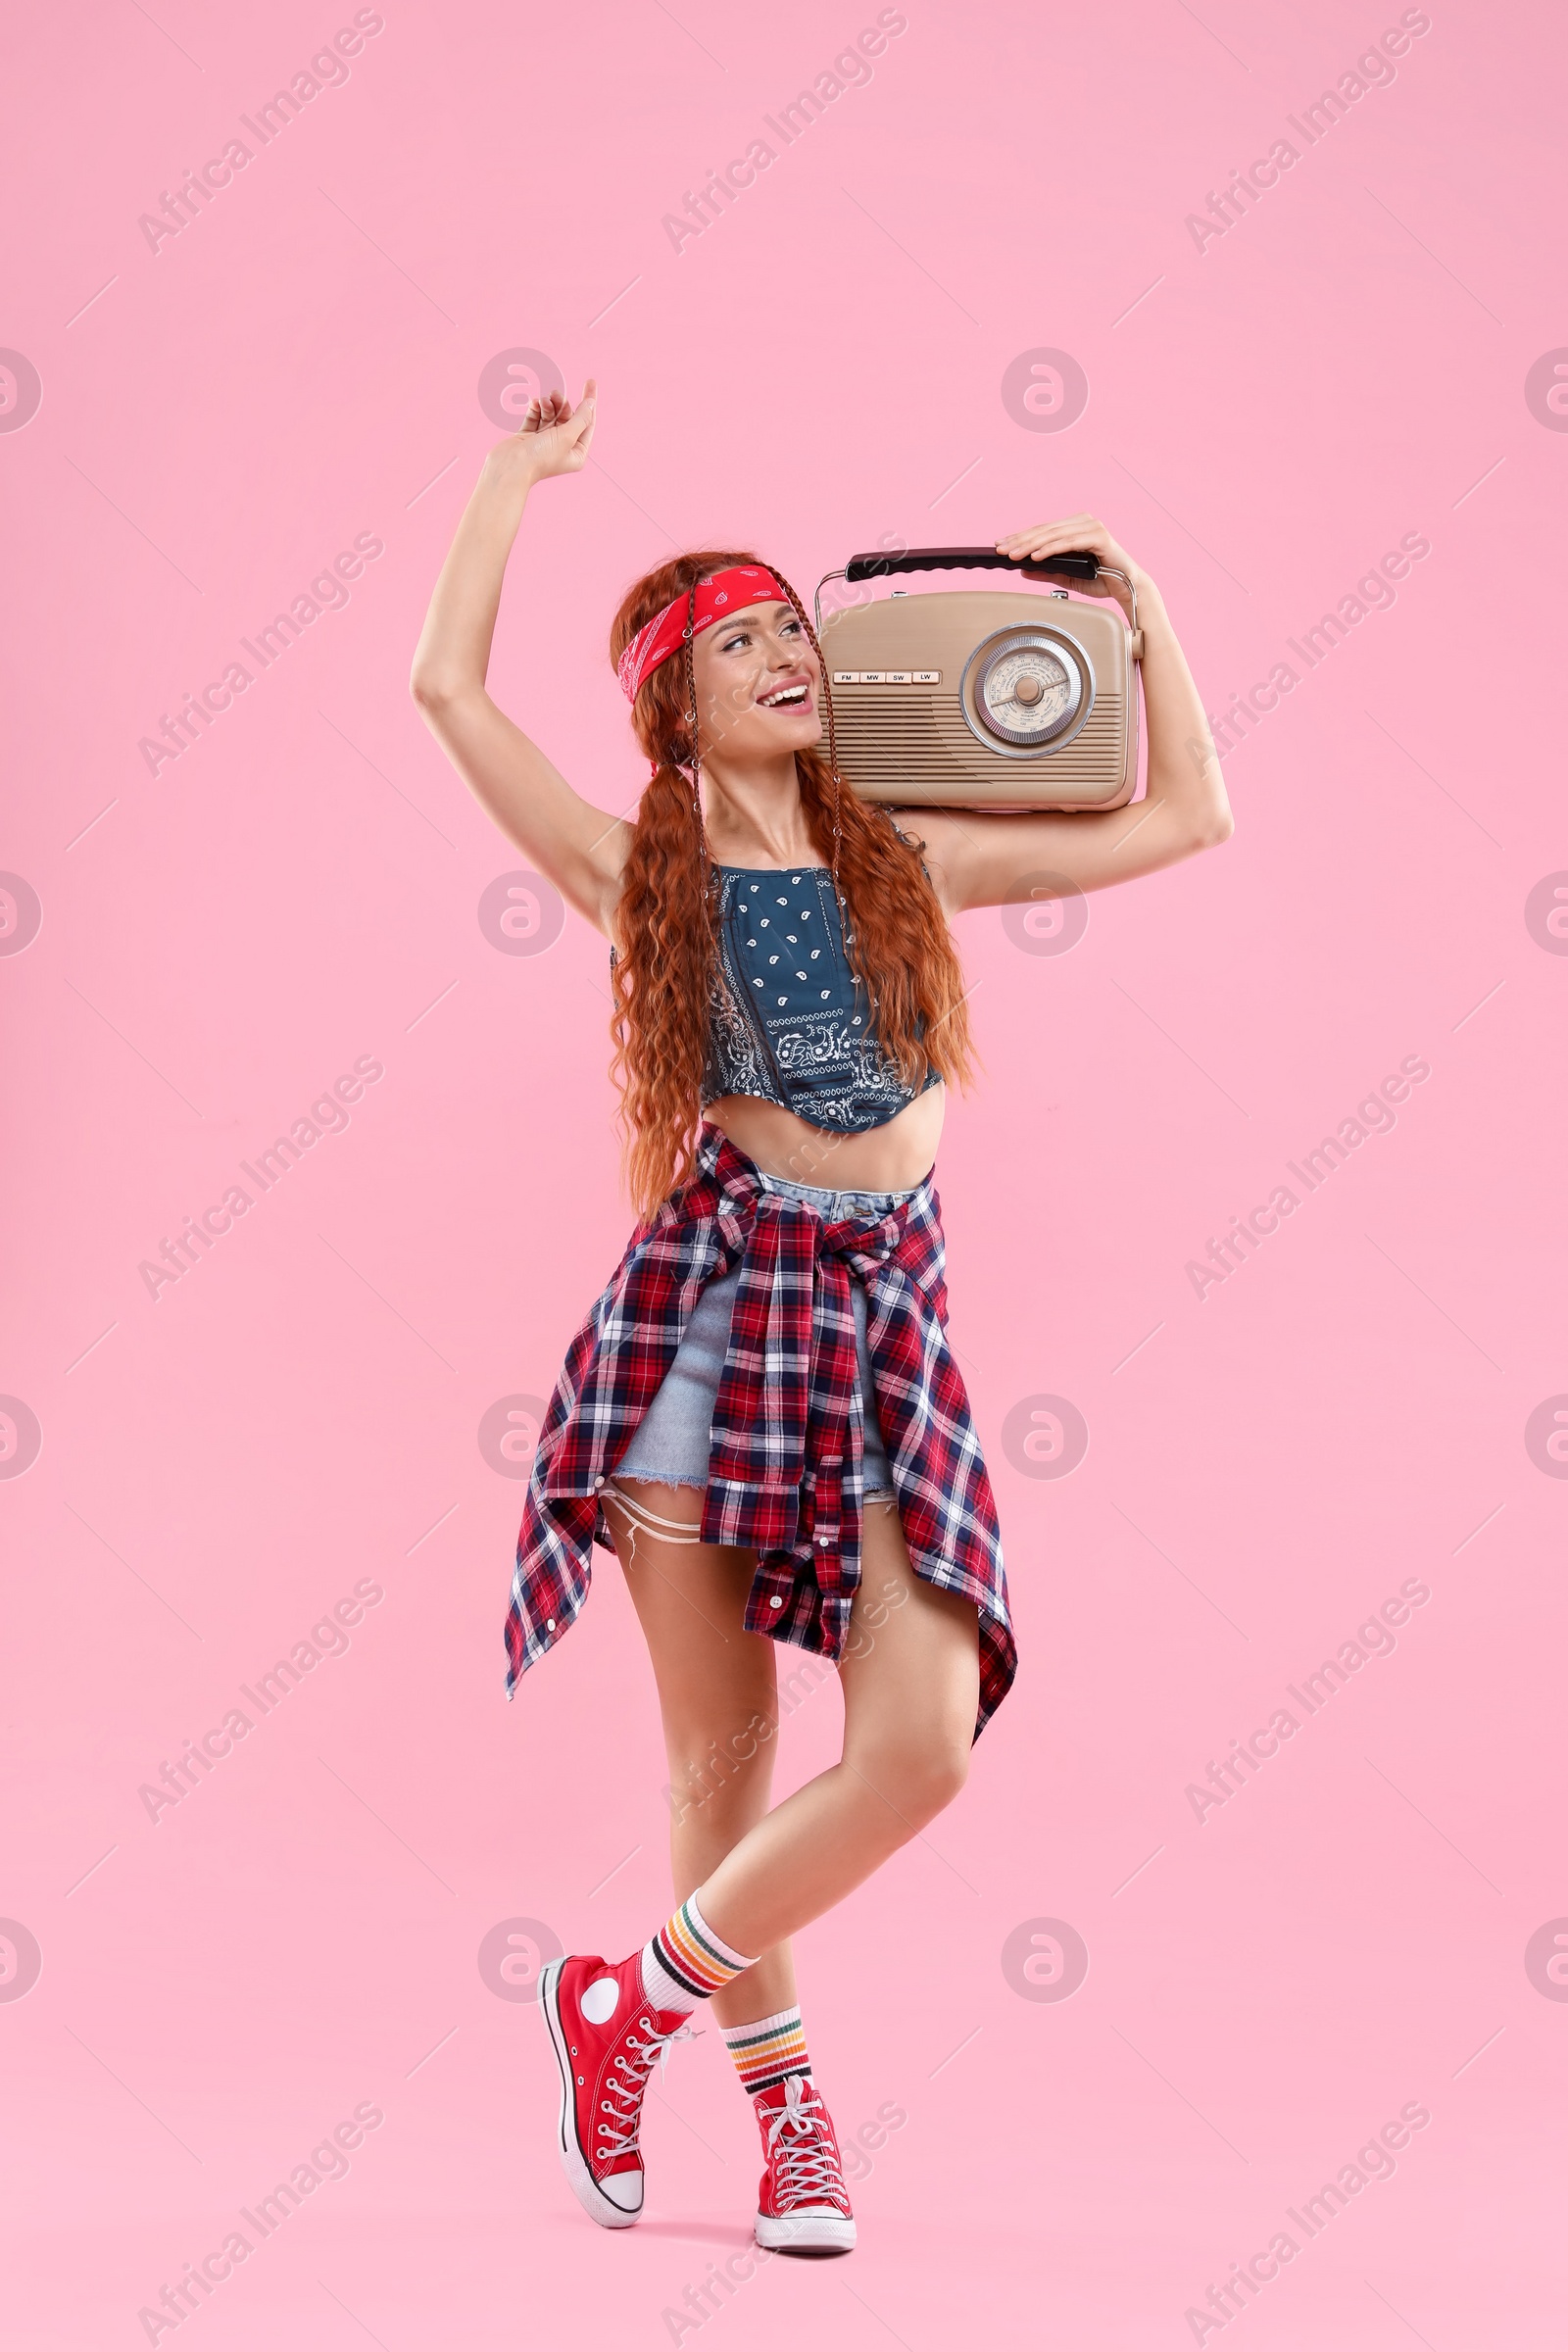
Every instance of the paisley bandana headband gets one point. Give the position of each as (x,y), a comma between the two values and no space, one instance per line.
(724,593)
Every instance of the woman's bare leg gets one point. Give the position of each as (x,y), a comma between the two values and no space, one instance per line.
(718,1698)
(910,1674)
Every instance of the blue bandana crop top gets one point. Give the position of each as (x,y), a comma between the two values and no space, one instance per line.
(789,1022)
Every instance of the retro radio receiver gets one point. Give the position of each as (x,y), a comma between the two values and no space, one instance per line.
(984,698)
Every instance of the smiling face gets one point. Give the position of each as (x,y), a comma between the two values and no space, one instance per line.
(757,685)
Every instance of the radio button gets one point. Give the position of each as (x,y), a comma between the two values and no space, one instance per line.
(898,678)
(927,677)
(872,678)
(845,677)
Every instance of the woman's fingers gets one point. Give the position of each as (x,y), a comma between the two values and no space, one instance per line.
(1034,543)
(1073,530)
(541,414)
(584,417)
(563,431)
(1076,533)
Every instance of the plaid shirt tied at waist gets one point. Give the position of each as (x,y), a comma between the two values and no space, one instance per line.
(785,1467)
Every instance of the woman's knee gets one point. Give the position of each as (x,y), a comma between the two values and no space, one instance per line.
(917,1777)
(713,1769)
(943,1769)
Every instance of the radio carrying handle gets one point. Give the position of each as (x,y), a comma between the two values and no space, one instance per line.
(1076,566)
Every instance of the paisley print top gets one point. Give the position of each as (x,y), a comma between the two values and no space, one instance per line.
(789,1021)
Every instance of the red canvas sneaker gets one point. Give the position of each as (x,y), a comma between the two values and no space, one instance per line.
(606,2036)
(802,2206)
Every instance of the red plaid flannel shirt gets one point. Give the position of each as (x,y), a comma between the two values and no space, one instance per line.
(785,1468)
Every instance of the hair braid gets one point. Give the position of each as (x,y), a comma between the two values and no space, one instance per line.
(696,736)
(667,971)
(832,737)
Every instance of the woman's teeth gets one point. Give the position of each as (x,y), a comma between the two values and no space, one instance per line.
(791,696)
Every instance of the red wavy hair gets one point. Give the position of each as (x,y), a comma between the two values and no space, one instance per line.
(666,967)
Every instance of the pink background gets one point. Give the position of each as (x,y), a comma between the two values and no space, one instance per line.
(300,1411)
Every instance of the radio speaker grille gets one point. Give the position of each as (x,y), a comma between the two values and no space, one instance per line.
(899,744)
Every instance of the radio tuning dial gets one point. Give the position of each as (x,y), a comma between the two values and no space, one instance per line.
(1026,691)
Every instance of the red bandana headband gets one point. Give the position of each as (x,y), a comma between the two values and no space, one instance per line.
(725,593)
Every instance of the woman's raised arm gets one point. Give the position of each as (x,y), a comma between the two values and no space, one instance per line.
(580,848)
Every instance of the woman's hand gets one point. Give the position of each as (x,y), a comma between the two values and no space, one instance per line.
(986,859)
(1082,535)
(554,438)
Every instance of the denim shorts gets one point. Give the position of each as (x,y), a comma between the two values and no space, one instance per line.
(672,1439)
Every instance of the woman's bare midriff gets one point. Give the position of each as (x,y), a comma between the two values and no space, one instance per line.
(894,1158)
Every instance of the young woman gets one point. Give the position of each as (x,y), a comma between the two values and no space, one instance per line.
(761,1414)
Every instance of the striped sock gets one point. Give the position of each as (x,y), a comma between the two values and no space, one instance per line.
(686,1962)
(766,2052)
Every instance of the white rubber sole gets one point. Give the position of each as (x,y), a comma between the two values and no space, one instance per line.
(573,2163)
(805,2233)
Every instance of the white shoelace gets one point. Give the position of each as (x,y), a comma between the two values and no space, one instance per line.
(616,2134)
(808,2169)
